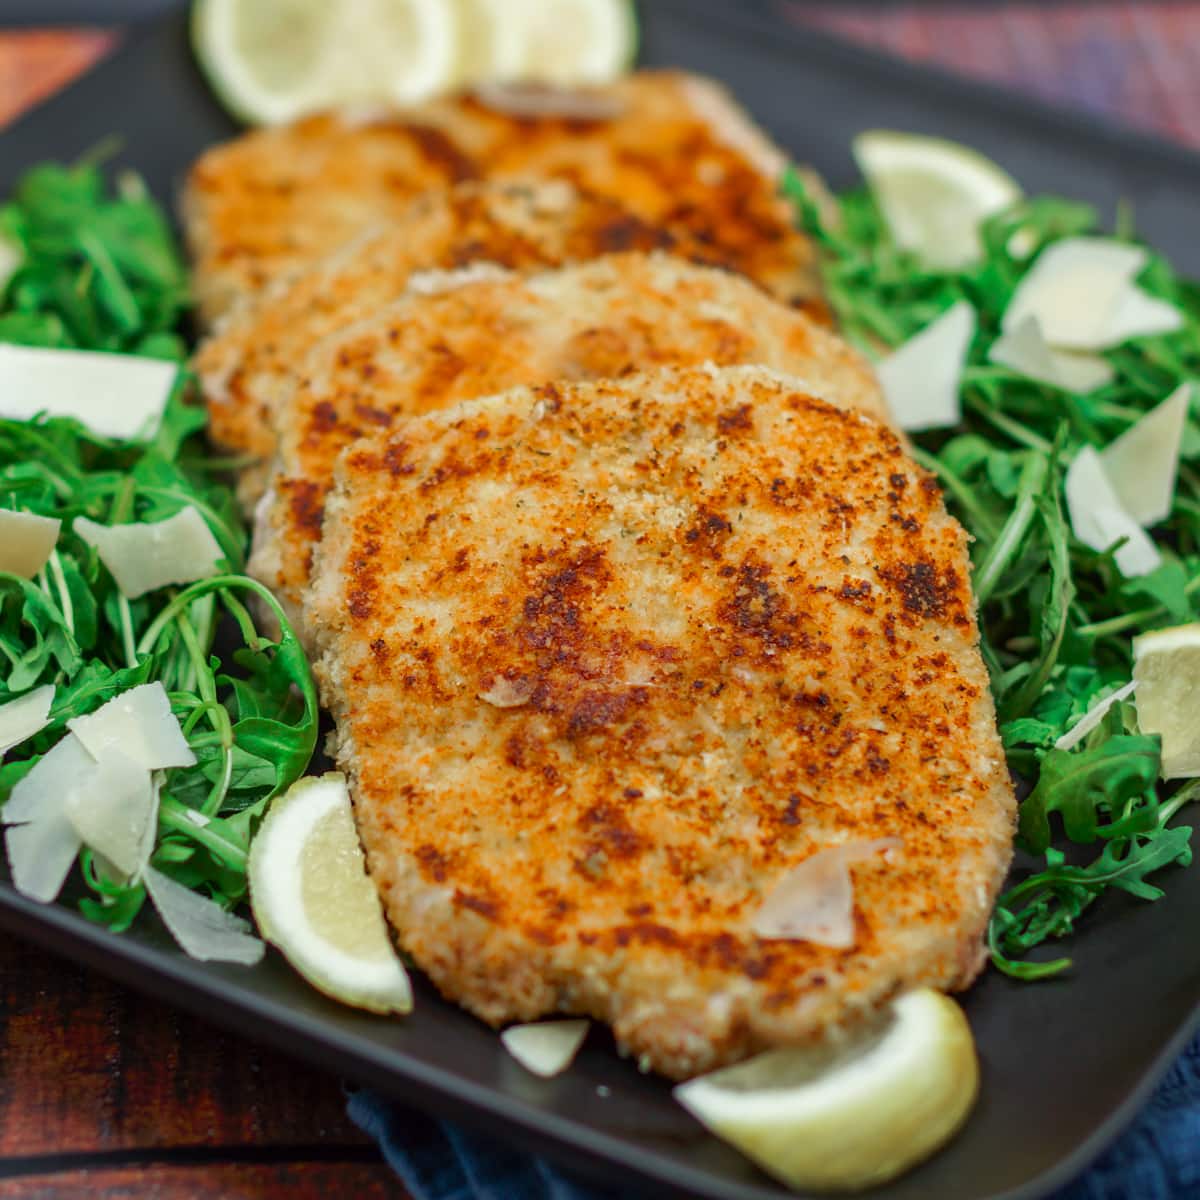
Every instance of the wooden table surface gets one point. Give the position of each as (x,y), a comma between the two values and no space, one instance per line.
(108,1094)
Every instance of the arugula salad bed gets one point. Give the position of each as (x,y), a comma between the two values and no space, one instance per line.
(99,271)
(92,269)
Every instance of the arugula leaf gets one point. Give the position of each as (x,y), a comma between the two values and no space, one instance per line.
(1167,585)
(1051,599)
(1081,786)
(36,637)
(1048,903)
(99,272)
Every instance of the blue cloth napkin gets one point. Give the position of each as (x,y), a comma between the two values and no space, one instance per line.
(1157,1158)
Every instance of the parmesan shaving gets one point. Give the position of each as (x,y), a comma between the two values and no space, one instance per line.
(1142,464)
(55,774)
(114,395)
(921,378)
(1138,314)
(21,718)
(1092,718)
(545,1047)
(26,542)
(1075,289)
(140,724)
(1025,350)
(146,555)
(114,815)
(507,693)
(41,854)
(42,843)
(202,928)
(814,902)
(1098,520)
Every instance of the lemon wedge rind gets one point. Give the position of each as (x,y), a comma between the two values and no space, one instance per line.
(934,193)
(272,61)
(571,43)
(852,1115)
(312,898)
(1166,670)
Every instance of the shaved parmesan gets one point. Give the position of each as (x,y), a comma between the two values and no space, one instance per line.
(26,542)
(42,843)
(1143,462)
(1092,718)
(814,902)
(21,718)
(203,929)
(61,769)
(545,1047)
(1138,314)
(507,693)
(1138,556)
(1074,289)
(41,854)
(1099,521)
(71,799)
(1026,351)
(140,724)
(148,555)
(921,378)
(115,813)
(115,395)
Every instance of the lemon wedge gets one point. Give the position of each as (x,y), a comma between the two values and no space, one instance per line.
(491,44)
(849,1115)
(933,193)
(1166,672)
(572,42)
(312,898)
(271,61)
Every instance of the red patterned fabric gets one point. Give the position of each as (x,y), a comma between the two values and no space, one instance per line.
(1133,61)
(35,63)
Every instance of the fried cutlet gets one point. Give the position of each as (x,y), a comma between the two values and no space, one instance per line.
(458,337)
(258,353)
(607,660)
(677,151)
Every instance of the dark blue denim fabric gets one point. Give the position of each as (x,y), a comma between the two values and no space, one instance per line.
(1157,1158)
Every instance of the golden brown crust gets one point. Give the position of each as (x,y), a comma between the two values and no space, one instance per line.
(680,155)
(605,318)
(607,659)
(257,354)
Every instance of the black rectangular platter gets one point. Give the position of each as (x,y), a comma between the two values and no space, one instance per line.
(1065,1063)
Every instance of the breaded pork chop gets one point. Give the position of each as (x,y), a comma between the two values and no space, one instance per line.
(258,353)
(677,150)
(459,337)
(608,660)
